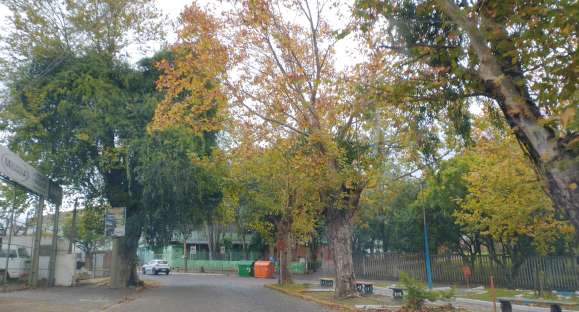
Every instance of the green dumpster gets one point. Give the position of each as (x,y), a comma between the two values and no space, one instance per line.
(244,268)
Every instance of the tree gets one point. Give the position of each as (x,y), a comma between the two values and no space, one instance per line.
(389,216)
(505,203)
(89,231)
(90,117)
(66,83)
(193,97)
(52,29)
(521,56)
(281,197)
(83,117)
(288,85)
(440,197)
(177,193)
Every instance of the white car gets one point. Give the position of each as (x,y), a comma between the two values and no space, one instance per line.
(156,267)
(18,262)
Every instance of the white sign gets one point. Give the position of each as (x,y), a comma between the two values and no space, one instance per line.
(222,250)
(115,219)
(20,172)
(193,250)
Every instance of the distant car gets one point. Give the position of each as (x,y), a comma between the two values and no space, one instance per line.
(156,267)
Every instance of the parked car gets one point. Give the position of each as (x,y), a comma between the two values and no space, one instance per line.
(18,262)
(156,267)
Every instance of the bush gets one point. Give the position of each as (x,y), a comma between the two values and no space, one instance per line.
(417,294)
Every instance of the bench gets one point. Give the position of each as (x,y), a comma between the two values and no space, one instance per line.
(365,288)
(397,293)
(555,305)
(327,282)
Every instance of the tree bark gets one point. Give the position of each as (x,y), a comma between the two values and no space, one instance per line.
(340,230)
(554,160)
(285,252)
(124,257)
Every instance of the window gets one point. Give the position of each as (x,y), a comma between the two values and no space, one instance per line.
(23,253)
(3,253)
(162,262)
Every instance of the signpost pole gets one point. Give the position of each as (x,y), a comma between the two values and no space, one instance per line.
(36,246)
(54,247)
(10,229)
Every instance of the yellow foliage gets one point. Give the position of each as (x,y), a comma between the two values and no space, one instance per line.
(506,199)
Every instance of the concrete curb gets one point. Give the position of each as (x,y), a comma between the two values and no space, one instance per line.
(332,305)
(489,304)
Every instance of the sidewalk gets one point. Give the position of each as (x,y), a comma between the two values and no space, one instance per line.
(59,299)
(460,299)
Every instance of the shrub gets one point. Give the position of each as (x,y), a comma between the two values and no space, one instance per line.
(416,293)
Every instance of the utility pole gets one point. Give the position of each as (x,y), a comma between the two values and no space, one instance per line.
(73,227)
(54,247)
(10,229)
(33,281)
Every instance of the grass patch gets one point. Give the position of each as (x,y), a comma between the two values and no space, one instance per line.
(328,299)
(294,287)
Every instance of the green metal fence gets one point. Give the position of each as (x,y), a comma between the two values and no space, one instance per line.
(200,262)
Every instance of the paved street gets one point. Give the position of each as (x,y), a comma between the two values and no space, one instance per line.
(185,292)
(177,292)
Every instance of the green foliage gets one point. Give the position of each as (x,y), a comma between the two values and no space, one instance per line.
(176,193)
(89,117)
(416,292)
(387,216)
(12,197)
(443,190)
(89,230)
(530,35)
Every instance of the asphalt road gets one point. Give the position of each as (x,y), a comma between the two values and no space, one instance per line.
(213,293)
(174,293)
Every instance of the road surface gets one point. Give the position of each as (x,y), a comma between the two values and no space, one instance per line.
(218,293)
(176,292)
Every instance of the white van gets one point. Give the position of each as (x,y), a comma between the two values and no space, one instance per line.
(18,261)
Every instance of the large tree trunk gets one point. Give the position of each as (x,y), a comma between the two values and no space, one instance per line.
(124,256)
(554,159)
(283,228)
(340,231)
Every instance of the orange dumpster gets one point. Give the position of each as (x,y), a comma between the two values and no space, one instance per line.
(263,269)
